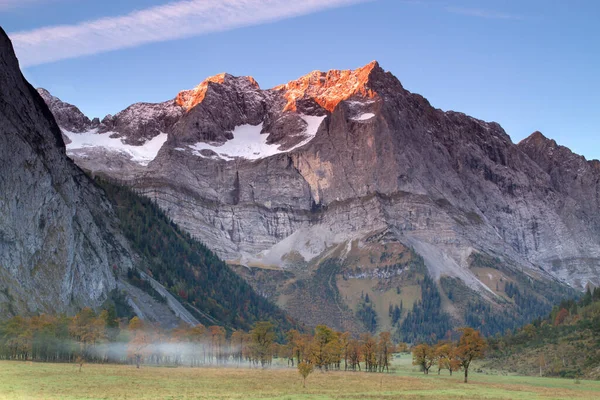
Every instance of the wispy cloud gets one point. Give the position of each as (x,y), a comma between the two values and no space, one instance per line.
(482,13)
(167,22)
(8,4)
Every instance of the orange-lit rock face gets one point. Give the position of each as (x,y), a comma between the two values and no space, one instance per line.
(328,89)
(189,99)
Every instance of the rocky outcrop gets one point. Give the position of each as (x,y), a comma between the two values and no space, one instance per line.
(328,89)
(136,125)
(141,122)
(68,117)
(217,106)
(573,183)
(313,170)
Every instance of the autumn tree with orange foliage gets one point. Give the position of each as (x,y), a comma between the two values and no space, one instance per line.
(324,347)
(87,329)
(446,357)
(424,356)
(355,354)
(139,342)
(292,350)
(369,352)
(345,346)
(237,345)
(217,339)
(561,316)
(196,337)
(385,349)
(471,346)
(305,369)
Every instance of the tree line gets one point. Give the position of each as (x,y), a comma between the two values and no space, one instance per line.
(102,338)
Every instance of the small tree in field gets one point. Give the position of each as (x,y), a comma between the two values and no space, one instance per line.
(88,330)
(80,360)
(305,369)
(542,363)
(471,346)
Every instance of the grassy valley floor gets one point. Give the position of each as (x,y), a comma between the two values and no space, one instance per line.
(24,380)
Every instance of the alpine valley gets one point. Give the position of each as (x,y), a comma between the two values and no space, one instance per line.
(340,196)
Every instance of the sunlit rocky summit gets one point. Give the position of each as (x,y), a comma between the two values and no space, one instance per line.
(348,167)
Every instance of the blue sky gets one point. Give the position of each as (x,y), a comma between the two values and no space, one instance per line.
(527,64)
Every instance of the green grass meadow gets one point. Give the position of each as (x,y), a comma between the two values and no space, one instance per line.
(26,380)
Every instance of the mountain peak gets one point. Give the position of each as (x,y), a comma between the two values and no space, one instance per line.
(44,93)
(537,140)
(189,99)
(67,115)
(537,136)
(330,88)
(546,151)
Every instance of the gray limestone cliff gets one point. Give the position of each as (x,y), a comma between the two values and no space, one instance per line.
(61,246)
(58,242)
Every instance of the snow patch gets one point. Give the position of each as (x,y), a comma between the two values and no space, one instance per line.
(360,108)
(92,139)
(364,117)
(353,103)
(248,142)
(313,124)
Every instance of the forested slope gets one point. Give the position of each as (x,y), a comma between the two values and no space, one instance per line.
(566,343)
(188,269)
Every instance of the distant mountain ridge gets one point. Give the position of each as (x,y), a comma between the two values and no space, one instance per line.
(348,166)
